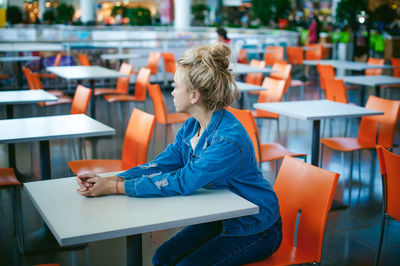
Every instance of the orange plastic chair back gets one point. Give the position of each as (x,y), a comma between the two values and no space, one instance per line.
(281,70)
(28,75)
(396,63)
(142,80)
(335,90)
(255,78)
(160,109)
(379,129)
(81,100)
(374,71)
(125,69)
(243,56)
(390,169)
(137,138)
(169,62)
(38,85)
(325,71)
(275,56)
(123,82)
(316,53)
(305,190)
(275,89)
(152,62)
(295,55)
(57,61)
(83,59)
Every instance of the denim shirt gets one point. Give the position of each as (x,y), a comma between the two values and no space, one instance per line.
(224,158)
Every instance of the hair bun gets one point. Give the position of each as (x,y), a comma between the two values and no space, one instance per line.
(219,53)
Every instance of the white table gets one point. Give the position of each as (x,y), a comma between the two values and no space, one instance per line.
(18,60)
(350,65)
(246,69)
(119,57)
(46,128)
(84,219)
(91,73)
(245,87)
(316,111)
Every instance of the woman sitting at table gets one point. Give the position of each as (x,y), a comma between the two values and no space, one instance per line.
(212,150)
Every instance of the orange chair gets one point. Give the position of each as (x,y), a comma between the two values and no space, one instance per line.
(295,55)
(335,90)
(273,54)
(137,138)
(396,64)
(152,62)
(305,194)
(327,71)
(390,169)
(34,83)
(143,78)
(56,63)
(275,89)
(314,52)
(374,130)
(83,59)
(160,109)
(243,57)
(169,62)
(374,71)
(255,78)
(122,82)
(264,152)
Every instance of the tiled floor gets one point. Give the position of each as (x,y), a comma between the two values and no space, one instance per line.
(351,236)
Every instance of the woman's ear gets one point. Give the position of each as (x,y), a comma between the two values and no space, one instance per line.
(195,97)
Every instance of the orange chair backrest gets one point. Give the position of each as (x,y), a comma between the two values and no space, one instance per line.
(374,71)
(255,78)
(275,56)
(247,120)
(275,89)
(125,69)
(243,56)
(281,70)
(123,82)
(28,75)
(152,62)
(335,90)
(306,190)
(142,80)
(295,55)
(169,62)
(38,85)
(160,109)
(81,100)
(57,61)
(390,169)
(137,138)
(316,53)
(325,71)
(396,63)
(379,129)
(83,59)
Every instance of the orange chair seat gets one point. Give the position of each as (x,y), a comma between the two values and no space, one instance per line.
(96,166)
(7,177)
(47,75)
(4,76)
(347,144)
(275,151)
(101,91)
(264,114)
(286,254)
(177,118)
(56,93)
(61,100)
(122,98)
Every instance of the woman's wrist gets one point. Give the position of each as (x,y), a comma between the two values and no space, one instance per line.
(119,187)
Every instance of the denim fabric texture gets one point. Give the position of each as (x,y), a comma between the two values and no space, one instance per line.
(203,244)
(224,158)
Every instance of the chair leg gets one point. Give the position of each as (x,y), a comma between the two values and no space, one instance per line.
(120,113)
(346,127)
(82,148)
(378,253)
(351,175)
(166,135)
(20,233)
(359,169)
(278,130)
(12,199)
(321,155)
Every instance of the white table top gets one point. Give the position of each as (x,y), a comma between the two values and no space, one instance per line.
(30,47)
(74,219)
(243,87)
(84,72)
(350,65)
(119,56)
(19,58)
(258,50)
(51,127)
(316,109)
(370,80)
(245,69)
(25,97)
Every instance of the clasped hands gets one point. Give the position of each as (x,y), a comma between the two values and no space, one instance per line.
(92,185)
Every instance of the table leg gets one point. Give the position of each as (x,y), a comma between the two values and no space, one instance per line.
(362,95)
(11,147)
(20,81)
(377,91)
(315,142)
(92,100)
(45,165)
(134,250)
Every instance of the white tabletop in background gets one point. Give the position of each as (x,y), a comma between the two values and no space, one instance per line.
(245,69)
(84,72)
(25,97)
(51,127)
(258,51)
(19,58)
(30,47)
(243,87)
(74,219)
(370,80)
(119,56)
(316,109)
(350,65)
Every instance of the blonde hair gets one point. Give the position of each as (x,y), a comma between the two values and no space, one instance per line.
(207,70)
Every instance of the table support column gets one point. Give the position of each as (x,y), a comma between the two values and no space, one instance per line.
(315,142)
(92,100)
(134,250)
(377,90)
(45,165)
(11,147)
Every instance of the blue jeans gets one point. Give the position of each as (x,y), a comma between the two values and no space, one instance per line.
(203,244)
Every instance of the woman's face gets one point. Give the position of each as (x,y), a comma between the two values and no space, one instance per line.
(182,95)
